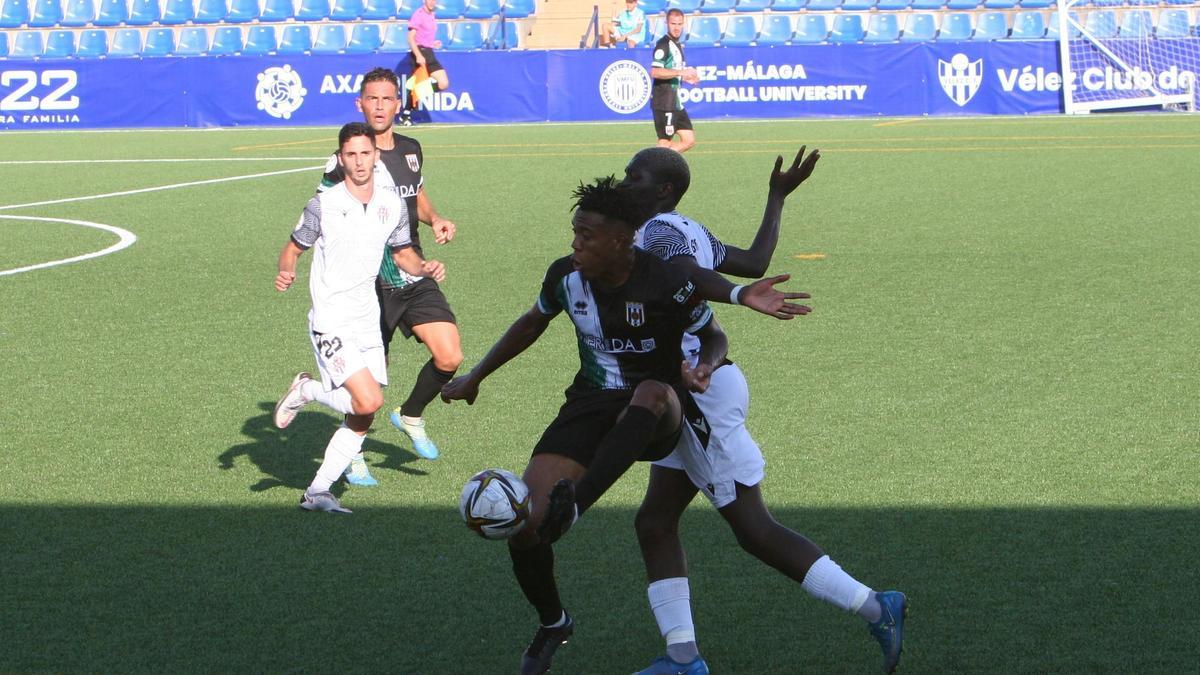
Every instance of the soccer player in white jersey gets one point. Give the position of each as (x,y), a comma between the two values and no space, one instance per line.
(719,458)
(348,227)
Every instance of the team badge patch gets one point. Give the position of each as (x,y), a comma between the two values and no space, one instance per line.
(635,314)
(413,163)
(383,214)
(960,78)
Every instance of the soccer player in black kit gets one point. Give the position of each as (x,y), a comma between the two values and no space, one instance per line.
(630,311)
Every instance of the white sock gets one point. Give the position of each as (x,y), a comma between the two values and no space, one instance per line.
(826,581)
(338,399)
(341,450)
(670,599)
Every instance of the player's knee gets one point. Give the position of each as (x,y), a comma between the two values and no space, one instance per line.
(367,403)
(651,525)
(652,395)
(753,537)
(449,360)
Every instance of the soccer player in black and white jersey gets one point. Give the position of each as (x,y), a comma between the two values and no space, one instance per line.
(349,227)
(630,311)
(668,70)
(413,305)
(725,463)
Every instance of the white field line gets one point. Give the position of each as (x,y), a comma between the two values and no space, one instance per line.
(126,240)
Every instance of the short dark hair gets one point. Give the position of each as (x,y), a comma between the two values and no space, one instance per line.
(379,75)
(666,166)
(352,129)
(602,197)
(673,11)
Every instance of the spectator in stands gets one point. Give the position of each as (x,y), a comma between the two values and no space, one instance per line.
(628,26)
(668,70)
(422,40)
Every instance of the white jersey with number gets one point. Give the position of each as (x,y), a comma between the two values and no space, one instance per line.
(348,239)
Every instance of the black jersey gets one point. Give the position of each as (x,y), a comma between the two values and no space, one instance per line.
(402,175)
(664,94)
(628,334)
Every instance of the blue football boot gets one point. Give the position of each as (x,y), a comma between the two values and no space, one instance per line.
(416,433)
(665,665)
(358,473)
(888,631)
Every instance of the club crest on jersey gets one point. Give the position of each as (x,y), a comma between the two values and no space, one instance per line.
(383,214)
(413,164)
(635,314)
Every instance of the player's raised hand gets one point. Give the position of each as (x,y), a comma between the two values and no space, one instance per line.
(461,388)
(696,379)
(283,280)
(782,184)
(762,296)
(434,270)
(443,230)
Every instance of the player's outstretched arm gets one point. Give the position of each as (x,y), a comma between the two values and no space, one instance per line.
(287,265)
(752,263)
(519,336)
(761,296)
(410,261)
(714,347)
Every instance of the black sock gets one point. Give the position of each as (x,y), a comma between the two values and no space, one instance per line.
(534,568)
(621,447)
(428,385)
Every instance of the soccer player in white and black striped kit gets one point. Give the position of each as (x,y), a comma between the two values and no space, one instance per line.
(723,461)
(630,311)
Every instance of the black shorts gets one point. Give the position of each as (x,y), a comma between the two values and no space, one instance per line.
(585,418)
(668,122)
(431,62)
(419,302)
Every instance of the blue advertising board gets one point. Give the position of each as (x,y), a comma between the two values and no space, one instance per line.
(952,78)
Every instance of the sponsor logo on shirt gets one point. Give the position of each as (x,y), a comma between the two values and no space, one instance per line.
(619,345)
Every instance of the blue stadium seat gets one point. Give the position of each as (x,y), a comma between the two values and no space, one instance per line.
(144,13)
(823,5)
(717,6)
(331,39)
(3,44)
(260,40)
(755,5)
(127,43)
(481,9)
(655,29)
(442,33)
(858,5)
(882,28)
(14,13)
(27,45)
(313,10)
(395,37)
(159,42)
(1102,24)
(193,41)
(1173,23)
(296,39)
(276,10)
(450,9)
(226,41)
(776,30)
(1035,4)
(79,13)
(60,44)
(990,26)
(346,10)
(406,8)
(652,6)
(999,4)
(705,31)
(465,36)
(892,5)
(961,5)
(927,4)
(364,38)
(685,6)
(506,35)
(1106,3)
(92,44)
(378,10)
(519,9)
(783,6)
(1028,26)
(919,28)
(178,12)
(847,28)
(955,26)
(1143,2)
(1052,26)
(46,13)
(211,11)
(810,29)
(242,11)
(1137,24)
(740,31)
(112,13)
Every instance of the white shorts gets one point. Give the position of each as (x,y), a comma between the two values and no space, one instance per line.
(731,455)
(340,355)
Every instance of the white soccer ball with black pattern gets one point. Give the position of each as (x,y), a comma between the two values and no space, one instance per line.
(495,504)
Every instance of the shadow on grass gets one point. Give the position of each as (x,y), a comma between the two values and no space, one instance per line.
(411,591)
(290,456)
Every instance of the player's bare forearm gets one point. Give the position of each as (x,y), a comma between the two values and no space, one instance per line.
(520,336)
(714,346)
(709,285)
(411,262)
(752,263)
(286,273)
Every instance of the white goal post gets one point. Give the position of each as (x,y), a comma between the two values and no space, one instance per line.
(1112,60)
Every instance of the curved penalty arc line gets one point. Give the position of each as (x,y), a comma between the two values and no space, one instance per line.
(127,239)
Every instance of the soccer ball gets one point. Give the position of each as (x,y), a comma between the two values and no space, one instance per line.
(495,504)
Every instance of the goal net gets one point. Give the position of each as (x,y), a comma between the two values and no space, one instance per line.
(1131,56)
